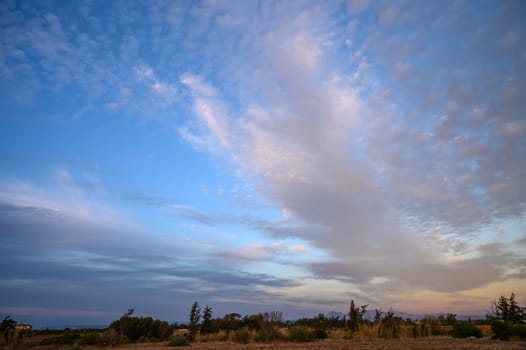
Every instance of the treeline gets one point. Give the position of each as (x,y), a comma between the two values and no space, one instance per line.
(506,319)
(125,330)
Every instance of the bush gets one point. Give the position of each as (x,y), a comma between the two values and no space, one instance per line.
(134,329)
(300,334)
(320,334)
(241,335)
(390,326)
(179,341)
(502,330)
(91,338)
(464,329)
(519,331)
(109,337)
(260,337)
(268,335)
(66,339)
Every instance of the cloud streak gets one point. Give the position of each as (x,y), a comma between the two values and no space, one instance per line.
(365,144)
(369,178)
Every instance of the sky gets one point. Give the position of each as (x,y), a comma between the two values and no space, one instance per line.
(260,155)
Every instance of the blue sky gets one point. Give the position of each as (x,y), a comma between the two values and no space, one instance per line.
(259,156)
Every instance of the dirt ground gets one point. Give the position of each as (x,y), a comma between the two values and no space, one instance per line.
(432,343)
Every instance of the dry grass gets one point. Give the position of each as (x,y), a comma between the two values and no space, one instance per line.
(365,339)
(430,343)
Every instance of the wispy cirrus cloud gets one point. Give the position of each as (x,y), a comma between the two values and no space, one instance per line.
(166,91)
(90,247)
(355,168)
(389,136)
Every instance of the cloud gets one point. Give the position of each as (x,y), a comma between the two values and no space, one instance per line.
(212,126)
(166,91)
(390,143)
(356,6)
(254,252)
(191,213)
(298,248)
(177,209)
(367,177)
(62,259)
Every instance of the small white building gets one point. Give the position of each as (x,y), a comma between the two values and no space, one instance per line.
(23,327)
(183,332)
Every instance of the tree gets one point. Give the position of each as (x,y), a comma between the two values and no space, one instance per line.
(353,319)
(195,316)
(231,321)
(356,316)
(378,313)
(506,309)
(207,327)
(451,319)
(391,325)
(129,313)
(268,323)
(130,328)
(363,311)
(7,324)
(7,331)
(505,315)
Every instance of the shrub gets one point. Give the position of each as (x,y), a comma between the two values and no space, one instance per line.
(91,338)
(464,329)
(300,334)
(109,337)
(260,337)
(179,341)
(67,338)
(320,334)
(241,335)
(390,326)
(268,335)
(519,331)
(133,329)
(502,330)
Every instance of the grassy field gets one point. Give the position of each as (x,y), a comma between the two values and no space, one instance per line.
(430,343)
(336,342)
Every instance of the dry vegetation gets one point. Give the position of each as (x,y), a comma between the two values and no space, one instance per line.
(268,331)
(431,343)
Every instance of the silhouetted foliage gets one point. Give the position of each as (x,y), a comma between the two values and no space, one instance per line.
(390,326)
(320,333)
(506,316)
(300,334)
(230,322)
(447,320)
(241,335)
(132,329)
(195,316)
(91,338)
(519,330)
(7,324)
(356,316)
(207,327)
(466,329)
(179,341)
(8,332)
(378,313)
(67,338)
(501,329)
(268,324)
(506,309)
